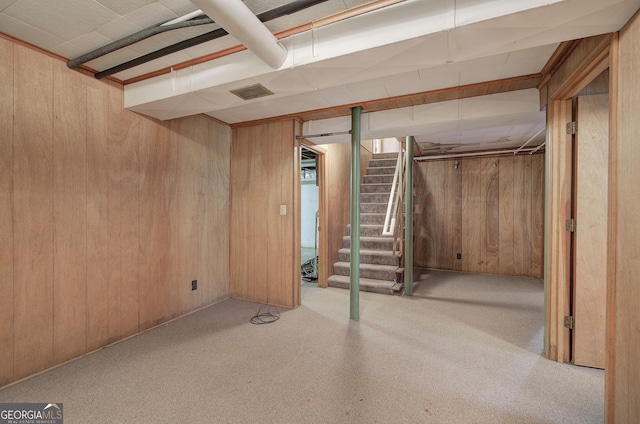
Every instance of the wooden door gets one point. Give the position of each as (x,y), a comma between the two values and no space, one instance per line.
(590,283)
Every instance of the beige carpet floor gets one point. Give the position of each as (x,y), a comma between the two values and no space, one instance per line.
(464,349)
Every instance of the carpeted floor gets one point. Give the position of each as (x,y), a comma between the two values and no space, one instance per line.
(464,349)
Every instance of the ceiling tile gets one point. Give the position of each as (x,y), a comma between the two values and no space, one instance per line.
(179,7)
(65,19)
(137,20)
(81,45)
(24,32)
(6,3)
(122,7)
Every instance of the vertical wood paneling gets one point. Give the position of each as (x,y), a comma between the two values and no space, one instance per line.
(323,223)
(270,260)
(474,215)
(129,223)
(95,202)
(453,213)
(590,270)
(520,228)
(537,217)
(216,258)
(296,190)
(338,178)
(279,282)
(262,193)
(6,212)
(33,213)
(527,215)
(430,213)
(187,213)
(240,215)
(114,245)
(625,386)
(263,239)
(466,244)
(434,214)
(469,209)
(155,225)
(492,183)
(69,214)
(505,238)
(97,213)
(420,218)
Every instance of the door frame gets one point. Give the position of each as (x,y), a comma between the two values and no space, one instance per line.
(589,59)
(322,207)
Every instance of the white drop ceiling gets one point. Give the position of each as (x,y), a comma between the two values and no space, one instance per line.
(410,47)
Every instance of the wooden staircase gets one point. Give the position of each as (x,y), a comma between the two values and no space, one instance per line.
(379,266)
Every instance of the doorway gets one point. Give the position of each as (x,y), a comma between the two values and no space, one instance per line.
(313,215)
(309,215)
(589,224)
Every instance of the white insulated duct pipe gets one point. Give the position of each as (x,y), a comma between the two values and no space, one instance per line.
(183,18)
(241,23)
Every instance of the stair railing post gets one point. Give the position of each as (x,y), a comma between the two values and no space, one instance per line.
(354,265)
(408,236)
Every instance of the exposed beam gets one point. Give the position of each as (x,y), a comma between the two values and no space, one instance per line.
(337,17)
(434,96)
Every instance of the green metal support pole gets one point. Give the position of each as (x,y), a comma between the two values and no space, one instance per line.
(354,265)
(408,232)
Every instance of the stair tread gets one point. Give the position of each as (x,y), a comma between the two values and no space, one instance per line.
(371,238)
(369,251)
(369,266)
(366,284)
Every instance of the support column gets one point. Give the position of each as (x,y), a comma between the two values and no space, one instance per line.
(408,232)
(354,265)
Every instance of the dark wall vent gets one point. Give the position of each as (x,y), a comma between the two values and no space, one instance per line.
(252,92)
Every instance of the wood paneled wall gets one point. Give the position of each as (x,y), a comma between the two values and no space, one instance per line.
(623,366)
(265,246)
(105,215)
(338,180)
(488,209)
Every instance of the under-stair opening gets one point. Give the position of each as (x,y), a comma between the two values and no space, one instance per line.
(309,215)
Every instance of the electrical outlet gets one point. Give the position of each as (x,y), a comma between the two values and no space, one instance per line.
(459,256)
(194,284)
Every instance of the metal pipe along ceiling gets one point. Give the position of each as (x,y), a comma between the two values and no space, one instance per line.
(135,38)
(236,18)
(278,12)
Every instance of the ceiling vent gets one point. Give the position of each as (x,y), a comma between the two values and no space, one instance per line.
(252,92)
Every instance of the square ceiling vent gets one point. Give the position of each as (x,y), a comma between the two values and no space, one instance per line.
(252,92)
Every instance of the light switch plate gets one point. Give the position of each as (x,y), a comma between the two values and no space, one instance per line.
(283,209)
